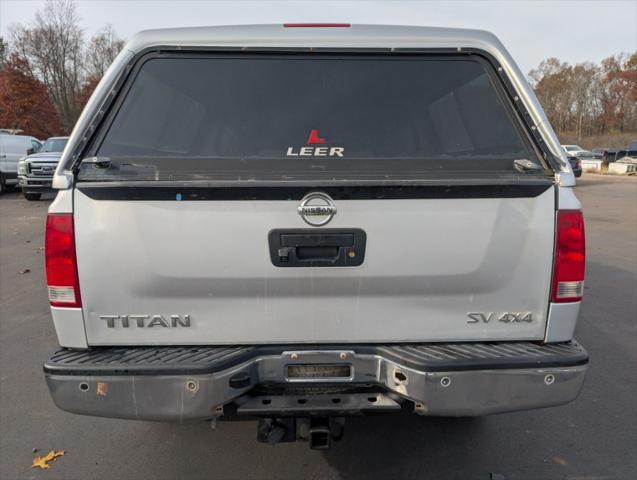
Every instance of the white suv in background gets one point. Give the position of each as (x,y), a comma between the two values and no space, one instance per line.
(12,149)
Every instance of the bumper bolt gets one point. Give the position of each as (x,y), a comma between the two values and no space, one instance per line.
(343,356)
(445,381)
(294,356)
(192,386)
(549,379)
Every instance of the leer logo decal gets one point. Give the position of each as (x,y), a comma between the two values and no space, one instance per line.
(315,139)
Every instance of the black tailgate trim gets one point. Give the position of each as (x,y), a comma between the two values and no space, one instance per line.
(385,192)
(210,359)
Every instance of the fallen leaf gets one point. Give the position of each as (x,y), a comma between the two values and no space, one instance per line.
(26,270)
(43,462)
(560,461)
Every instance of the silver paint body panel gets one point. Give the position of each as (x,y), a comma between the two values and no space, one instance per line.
(485,255)
(561,322)
(69,327)
(210,259)
(68,322)
(562,317)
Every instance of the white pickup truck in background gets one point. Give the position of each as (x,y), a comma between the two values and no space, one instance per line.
(302,222)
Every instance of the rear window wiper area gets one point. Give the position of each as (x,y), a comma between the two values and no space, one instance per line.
(105,167)
(525,165)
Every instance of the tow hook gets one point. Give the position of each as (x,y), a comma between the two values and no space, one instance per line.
(317,431)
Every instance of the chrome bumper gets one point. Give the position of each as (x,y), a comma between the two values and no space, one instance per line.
(172,394)
(35,182)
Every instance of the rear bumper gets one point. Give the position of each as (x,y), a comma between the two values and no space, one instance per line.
(190,383)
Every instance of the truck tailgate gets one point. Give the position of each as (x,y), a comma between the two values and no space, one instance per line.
(429,263)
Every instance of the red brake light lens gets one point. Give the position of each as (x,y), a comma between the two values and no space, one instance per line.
(570,257)
(61,265)
(316,25)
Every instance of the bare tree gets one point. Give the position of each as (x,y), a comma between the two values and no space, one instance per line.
(3,51)
(101,51)
(583,78)
(53,48)
(588,99)
(551,82)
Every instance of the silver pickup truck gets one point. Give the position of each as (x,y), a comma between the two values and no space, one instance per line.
(297,223)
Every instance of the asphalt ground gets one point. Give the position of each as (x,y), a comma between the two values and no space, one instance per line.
(595,437)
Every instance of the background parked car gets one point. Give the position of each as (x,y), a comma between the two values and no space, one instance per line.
(12,149)
(576,165)
(35,172)
(613,154)
(575,155)
(573,149)
(600,153)
(629,151)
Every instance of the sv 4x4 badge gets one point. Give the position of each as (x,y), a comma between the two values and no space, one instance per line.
(315,139)
(505,317)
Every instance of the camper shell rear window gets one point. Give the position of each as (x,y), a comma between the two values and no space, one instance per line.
(305,117)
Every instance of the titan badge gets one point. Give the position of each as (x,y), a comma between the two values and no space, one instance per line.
(146,321)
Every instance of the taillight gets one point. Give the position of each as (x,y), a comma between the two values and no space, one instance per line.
(317,25)
(61,266)
(570,257)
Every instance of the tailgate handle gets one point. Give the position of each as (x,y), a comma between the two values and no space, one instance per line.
(314,246)
(308,248)
(317,240)
(316,253)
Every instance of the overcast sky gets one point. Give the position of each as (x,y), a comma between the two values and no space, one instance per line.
(572,30)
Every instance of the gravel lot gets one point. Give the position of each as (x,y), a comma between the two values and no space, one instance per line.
(593,437)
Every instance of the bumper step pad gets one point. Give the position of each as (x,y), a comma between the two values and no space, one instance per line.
(209,359)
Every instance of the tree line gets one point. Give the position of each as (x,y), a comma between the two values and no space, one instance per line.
(48,70)
(588,99)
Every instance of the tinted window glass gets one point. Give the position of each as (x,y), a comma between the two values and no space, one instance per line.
(295,117)
(54,145)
